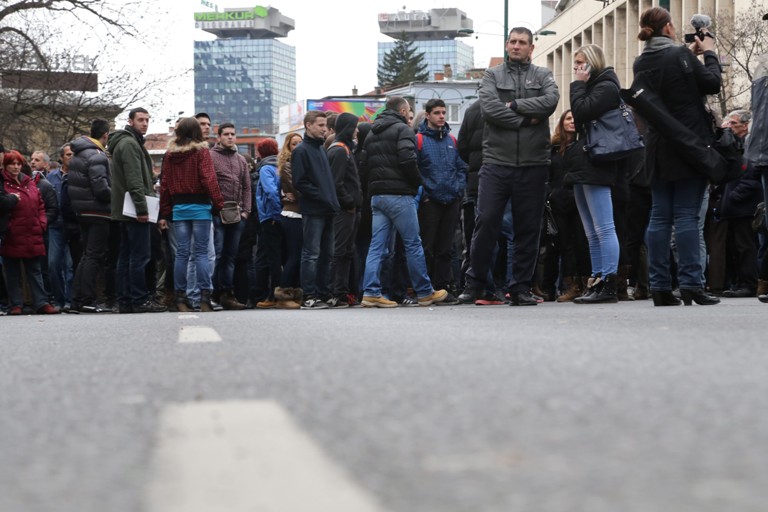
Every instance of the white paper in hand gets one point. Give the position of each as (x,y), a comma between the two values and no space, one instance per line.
(153,207)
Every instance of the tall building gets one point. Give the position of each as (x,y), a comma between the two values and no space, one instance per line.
(434,34)
(245,75)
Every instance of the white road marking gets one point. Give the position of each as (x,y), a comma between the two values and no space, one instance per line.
(185,316)
(198,334)
(245,456)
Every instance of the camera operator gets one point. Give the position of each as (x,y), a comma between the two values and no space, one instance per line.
(681,81)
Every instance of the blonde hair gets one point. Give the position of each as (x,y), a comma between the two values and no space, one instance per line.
(594,56)
(285,151)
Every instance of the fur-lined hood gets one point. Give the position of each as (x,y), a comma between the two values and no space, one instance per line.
(191,146)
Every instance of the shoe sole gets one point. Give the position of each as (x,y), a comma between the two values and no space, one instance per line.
(367,304)
(481,302)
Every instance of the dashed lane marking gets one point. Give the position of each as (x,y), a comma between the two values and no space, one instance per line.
(198,334)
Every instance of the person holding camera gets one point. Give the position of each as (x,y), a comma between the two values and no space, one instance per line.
(681,81)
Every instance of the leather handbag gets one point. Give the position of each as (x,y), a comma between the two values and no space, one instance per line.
(230,214)
(613,135)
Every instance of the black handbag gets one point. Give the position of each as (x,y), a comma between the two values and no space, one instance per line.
(613,135)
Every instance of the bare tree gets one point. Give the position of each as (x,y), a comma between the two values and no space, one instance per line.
(741,39)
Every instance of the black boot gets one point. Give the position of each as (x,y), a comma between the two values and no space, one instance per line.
(590,289)
(605,292)
(664,298)
(698,296)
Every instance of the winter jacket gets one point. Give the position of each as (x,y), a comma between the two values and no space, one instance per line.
(89,180)
(313,179)
(188,178)
(589,101)
(470,145)
(510,138)
(56,178)
(390,157)
(343,165)
(442,170)
(757,149)
(739,198)
(50,200)
(681,81)
(7,203)
(233,176)
(560,196)
(131,172)
(268,201)
(27,222)
(286,187)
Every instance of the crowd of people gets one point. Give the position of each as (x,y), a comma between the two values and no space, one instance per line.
(400,212)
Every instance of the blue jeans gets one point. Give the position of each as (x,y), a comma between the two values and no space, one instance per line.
(132,261)
(675,203)
(400,212)
(193,289)
(59,266)
(316,255)
(226,242)
(596,212)
(192,237)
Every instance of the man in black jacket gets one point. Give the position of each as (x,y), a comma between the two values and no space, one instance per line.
(90,192)
(313,179)
(390,157)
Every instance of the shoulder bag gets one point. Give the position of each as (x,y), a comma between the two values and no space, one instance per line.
(613,135)
(230,214)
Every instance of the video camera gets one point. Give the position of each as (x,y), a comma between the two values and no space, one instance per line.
(700,22)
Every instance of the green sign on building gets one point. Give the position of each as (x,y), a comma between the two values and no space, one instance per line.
(244,15)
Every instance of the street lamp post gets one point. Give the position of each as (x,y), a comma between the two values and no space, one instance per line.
(506,27)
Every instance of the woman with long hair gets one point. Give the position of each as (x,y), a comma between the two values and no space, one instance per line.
(290,220)
(681,82)
(22,243)
(571,243)
(189,193)
(594,92)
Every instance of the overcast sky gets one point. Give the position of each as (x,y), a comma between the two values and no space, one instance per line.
(335,41)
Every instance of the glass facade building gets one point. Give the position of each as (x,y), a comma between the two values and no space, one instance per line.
(244,81)
(437,53)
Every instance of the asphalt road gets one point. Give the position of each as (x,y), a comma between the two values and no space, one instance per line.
(554,408)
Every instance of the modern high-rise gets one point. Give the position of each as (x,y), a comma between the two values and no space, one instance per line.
(245,75)
(434,33)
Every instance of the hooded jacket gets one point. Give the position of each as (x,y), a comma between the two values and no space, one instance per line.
(390,157)
(510,138)
(188,178)
(268,203)
(233,176)
(589,100)
(313,179)
(89,180)
(131,172)
(442,170)
(343,164)
(27,221)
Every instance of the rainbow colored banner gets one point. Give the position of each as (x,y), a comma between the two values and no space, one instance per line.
(365,110)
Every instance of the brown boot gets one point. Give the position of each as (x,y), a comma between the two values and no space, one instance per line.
(181,303)
(284,298)
(229,301)
(762,287)
(205,301)
(572,289)
(169,299)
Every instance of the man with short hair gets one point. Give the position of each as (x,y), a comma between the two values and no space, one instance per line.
(319,205)
(40,161)
(235,185)
(132,174)
(516,99)
(64,248)
(444,175)
(205,124)
(90,193)
(393,182)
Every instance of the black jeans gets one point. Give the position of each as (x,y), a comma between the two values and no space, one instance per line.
(526,188)
(94,233)
(268,260)
(438,226)
(345,226)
